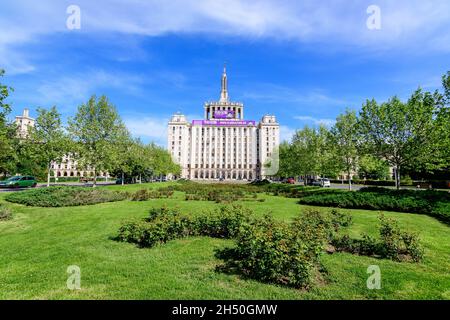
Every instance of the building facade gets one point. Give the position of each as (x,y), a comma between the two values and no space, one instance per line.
(68,167)
(223,145)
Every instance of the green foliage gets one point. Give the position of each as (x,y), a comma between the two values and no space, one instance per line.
(433,203)
(97,131)
(165,224)
(65,196)
(146,194)
(372,168)
(161,226)
(220,193)
(277,252)
(394,243)
(8,139)
(47,140)
(404,134)
(226,222)
(5,213)
(345,140)
(311,153)
(266,250)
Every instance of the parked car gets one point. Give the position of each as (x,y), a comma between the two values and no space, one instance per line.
(326,183)
(290,181)
(322,182)
(19,182)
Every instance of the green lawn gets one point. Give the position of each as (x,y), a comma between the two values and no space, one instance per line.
(39,244)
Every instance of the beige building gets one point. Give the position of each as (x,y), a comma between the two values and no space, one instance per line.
(23,123)
(223,145)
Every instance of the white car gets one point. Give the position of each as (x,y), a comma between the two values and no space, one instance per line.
(325,183)
(322,182)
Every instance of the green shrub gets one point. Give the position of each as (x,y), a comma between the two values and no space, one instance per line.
(277,252)
(433,203)
(394,243)
(166,224)
(224,222)
(65,196)
(162,225)
(146,194)
(5,213)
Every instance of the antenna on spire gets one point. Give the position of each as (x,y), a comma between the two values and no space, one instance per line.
(224,91)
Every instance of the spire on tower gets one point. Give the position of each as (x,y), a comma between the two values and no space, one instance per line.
(224,91)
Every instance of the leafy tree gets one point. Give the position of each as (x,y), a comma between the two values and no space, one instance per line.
(345,137)
(442,127)
(8,139)
(123,156)
(287,160)
(401,133)
(162,163)
(48,139)
(370,167)
(311,153)
(97,129)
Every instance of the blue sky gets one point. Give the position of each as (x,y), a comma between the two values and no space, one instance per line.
(302,61)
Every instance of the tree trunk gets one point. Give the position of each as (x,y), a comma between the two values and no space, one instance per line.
(95,179)
(140,178)
(48,175)
(123,178)
(397,177)
(349,181)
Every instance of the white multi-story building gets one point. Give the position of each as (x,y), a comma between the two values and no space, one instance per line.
(224,145)
(23,123)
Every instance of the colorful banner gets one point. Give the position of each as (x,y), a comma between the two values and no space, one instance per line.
(224,123)
(224,114)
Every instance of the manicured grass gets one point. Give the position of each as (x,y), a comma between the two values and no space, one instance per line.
(38,245)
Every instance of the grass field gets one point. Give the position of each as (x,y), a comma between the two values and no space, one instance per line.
(38,245)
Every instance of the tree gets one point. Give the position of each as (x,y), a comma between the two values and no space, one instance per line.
(287,160)
(311,153)
(345,137)
(370,167)
(442,127)
(162,163)
(97,129)
(48,139)
(401,133)
(8,138)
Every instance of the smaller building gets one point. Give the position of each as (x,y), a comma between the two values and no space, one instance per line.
(23,123)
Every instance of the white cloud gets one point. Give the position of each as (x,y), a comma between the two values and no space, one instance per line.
(286,133)
(316,121)
(148,128)
(412,26)
(70,90)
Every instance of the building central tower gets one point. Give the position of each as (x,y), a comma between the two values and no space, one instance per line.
(223,145)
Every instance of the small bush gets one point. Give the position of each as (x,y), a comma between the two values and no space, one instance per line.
(145,194)
(65,196)
(161,226)
(394,243)
(166,224)
(224,222)
(5,213)
(277,252)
